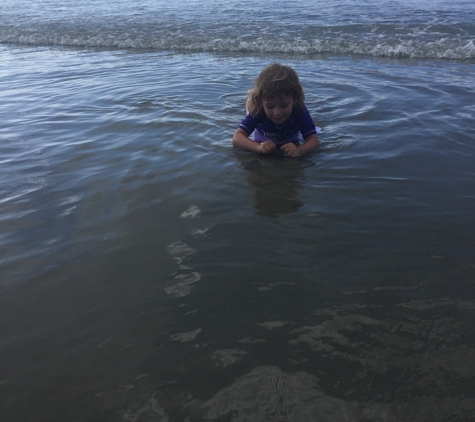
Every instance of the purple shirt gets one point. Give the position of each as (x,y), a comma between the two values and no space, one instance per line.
(299,125)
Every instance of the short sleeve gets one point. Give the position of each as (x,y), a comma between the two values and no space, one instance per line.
(248,124)
(307,127)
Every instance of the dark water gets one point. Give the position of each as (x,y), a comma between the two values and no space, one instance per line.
(151,272)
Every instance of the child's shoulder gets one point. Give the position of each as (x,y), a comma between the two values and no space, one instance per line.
(300,111)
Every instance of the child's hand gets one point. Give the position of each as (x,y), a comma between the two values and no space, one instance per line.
(266,147)
(290,149)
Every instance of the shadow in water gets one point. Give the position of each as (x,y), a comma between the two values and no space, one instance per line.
(276,180)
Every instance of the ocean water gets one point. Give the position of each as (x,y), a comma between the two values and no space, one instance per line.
(151,272)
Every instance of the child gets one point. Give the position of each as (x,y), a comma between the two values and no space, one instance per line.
(277,115)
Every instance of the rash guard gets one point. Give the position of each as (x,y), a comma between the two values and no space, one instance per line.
(298,126)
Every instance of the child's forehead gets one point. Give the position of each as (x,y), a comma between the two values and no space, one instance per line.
(279,98)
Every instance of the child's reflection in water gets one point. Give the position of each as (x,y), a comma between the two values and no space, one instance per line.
(276,183)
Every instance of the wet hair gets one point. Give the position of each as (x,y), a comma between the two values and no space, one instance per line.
(274,81)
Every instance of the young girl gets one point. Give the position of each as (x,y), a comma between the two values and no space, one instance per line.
(277,116)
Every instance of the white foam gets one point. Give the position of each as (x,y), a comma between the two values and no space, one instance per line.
(395,43)
(272,324)
(227,357)
(184,286)
(180,251)
(185,337)
(192,212)
(200,232)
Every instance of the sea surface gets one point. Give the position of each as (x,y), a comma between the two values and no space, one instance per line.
(150,272)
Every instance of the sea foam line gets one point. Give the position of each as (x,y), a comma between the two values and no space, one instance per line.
(350,44)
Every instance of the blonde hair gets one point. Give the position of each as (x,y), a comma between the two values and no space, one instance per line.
(274,81)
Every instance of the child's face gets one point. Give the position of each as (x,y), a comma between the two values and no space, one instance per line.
(278,109)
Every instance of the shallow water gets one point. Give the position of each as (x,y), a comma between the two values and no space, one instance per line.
(151,272)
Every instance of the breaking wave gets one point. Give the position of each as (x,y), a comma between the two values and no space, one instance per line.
(367,41)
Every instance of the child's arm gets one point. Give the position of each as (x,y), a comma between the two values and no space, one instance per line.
(310,144)
(242,140)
